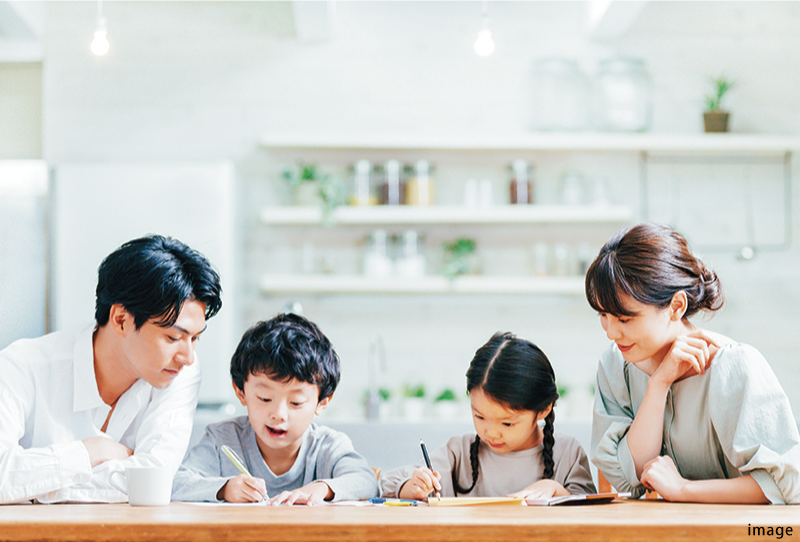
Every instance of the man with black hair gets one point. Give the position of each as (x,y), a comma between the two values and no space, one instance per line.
(75,405)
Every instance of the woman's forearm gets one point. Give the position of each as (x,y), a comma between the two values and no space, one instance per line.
(741,490)
(646,432)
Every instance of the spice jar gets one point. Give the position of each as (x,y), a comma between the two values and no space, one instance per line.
(393,191)
(361,189)
(521,188)
(420,189)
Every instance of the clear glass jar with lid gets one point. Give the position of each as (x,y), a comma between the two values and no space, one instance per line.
(561,95)
(624,95)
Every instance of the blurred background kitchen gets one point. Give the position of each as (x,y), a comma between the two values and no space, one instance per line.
(412,176)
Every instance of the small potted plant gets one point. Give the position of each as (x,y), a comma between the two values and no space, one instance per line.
(563,391)
(715,118)
(446,404)
(460,258)
(312,187)
(414,402)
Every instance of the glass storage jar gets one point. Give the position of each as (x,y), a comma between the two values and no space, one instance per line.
(624,95)
(561,95)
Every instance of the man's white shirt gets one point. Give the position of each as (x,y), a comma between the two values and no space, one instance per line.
(49,403)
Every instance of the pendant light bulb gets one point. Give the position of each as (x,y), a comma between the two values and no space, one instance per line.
(484,45)
(100,41)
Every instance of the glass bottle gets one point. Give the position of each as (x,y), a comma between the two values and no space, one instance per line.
(376,258)
(521,188)
(361,194)
(624,95)
(393,191)
(420,189)
(412,262)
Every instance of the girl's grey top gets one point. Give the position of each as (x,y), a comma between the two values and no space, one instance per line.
(325,455)
(732,420)
(500,474)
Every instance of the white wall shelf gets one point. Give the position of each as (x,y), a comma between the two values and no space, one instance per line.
(412,215)
(430,285)
(581,141)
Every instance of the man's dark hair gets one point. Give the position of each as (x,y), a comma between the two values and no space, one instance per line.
(284,348)
(152,277)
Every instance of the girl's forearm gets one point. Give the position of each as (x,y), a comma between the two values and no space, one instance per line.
(741,490)
(646,432)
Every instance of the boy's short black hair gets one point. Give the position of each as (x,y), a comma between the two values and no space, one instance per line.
(152,277)
(284,348)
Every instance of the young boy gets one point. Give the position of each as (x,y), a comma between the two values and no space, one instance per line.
(284,371)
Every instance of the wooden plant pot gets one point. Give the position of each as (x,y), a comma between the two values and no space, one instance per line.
(716,121)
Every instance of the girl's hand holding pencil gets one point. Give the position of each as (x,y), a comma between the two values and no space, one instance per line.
(421,484)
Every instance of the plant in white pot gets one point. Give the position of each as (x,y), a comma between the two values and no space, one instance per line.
(715,119)
(446,404)
(414,402)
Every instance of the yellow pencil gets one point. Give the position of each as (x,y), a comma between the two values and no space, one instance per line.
(238,463)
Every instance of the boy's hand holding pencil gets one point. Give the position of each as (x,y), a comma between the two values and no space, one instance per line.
(243,488)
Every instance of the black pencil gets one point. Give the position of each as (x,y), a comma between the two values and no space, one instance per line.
(428,464)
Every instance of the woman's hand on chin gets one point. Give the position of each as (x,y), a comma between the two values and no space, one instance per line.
(689,355)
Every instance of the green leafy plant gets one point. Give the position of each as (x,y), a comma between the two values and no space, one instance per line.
(383,393)
(414,391)
(563,390)
(457,257)
(446,395)
(713,99)
(330,190)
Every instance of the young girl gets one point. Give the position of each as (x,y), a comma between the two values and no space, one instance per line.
(679,409)
(512,388)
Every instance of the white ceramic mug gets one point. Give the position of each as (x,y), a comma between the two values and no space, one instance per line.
(146,486)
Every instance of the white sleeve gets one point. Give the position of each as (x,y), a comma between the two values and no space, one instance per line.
(28,473)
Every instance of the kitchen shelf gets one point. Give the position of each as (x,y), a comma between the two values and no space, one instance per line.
(359,284)
(583,141)
(413,215)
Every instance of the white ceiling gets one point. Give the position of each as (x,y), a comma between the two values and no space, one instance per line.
(22,24)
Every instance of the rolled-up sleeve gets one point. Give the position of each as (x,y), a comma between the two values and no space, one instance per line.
(753,419)
(612,418)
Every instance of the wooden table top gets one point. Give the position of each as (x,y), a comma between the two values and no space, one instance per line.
(621,520)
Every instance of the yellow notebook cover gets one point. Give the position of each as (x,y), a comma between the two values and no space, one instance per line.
(472,501)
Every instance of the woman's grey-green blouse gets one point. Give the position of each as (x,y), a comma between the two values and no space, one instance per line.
(732,420)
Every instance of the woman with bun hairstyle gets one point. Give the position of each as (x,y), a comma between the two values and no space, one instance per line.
(679,409)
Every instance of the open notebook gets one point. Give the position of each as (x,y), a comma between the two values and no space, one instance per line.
(595,498)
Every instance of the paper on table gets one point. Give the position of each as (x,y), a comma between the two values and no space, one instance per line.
(595,498)
(225,503)
(473,501)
